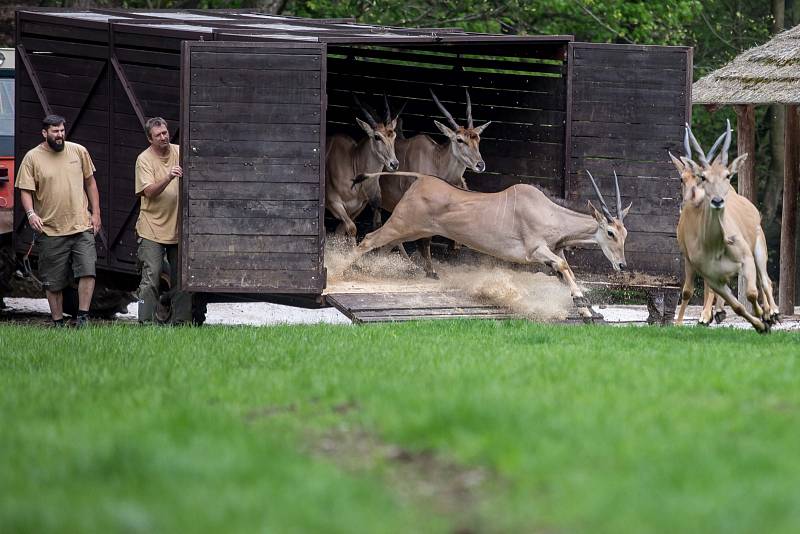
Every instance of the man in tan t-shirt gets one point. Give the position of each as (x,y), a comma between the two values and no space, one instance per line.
(55,179)
(157,171)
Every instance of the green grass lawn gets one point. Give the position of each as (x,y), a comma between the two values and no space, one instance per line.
(422,427)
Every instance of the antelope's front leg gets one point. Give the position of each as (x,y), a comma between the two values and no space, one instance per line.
(709,298)
(544,255)
(686,292)
(725,292)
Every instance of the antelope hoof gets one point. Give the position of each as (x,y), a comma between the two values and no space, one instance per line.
(767,328)
(703,323)
(432,275)
(720,316)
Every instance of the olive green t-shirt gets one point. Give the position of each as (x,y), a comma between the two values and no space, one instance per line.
(56,180)
(158,216)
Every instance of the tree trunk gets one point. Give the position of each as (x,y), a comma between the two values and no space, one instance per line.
(746,144)
(774,186)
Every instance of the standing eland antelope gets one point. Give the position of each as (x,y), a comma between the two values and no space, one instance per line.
(519,224)
(345,158)
(448,161)
(719,241)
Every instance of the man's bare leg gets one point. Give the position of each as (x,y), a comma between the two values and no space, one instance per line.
(85,291)
(56,301)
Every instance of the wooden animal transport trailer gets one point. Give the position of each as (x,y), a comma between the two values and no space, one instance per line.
(251,99)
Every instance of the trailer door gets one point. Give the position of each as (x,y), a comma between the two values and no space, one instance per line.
(628,106)
(253,193)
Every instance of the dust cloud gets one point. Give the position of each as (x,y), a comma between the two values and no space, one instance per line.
(534,295)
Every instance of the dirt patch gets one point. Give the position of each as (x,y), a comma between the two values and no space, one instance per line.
(533,295)
(421,477)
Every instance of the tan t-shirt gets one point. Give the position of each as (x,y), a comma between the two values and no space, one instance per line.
(158,216)
(56,180)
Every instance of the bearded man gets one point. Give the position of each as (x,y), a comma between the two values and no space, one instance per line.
(57,188)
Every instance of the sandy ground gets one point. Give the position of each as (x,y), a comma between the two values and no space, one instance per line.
(22,310)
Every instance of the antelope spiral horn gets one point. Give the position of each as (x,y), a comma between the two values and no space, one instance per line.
(603,204)
(469,110)
(365,111)
(444,111)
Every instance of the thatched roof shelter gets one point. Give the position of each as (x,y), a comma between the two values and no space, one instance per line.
(765,74)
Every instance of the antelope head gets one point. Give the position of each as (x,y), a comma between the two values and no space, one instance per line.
(381,135)
(611,231)
(713,174)
(464,142)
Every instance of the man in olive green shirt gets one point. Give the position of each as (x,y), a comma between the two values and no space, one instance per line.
(157,173)
(57,185)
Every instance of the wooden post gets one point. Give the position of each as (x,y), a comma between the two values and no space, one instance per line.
(746,144)
(789,213)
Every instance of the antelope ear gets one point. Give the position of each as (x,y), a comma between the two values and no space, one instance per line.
(479,130)
(599,217)
(445,130)
(737,163)
(697,169)
(678,163)
(366,127)
(625,211)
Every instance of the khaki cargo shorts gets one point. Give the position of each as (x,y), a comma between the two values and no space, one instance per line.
(64,258)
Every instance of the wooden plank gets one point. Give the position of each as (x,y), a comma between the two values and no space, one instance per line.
(147,74)
(253,281)
(656,166)
(255,132)
(62,31)
(629,149)
(148,57)
(253,191)
(628,95)
(673,60)
(66,66)
(254,94)
(66,48)
(253,226)
(274,173)
(259,114)
(254,149)
(304,209)
(253,260)
(261,61)
(621,130)
(643,113)
(408,300)
(401,318)
(238,243)
(622,74)
(264,79)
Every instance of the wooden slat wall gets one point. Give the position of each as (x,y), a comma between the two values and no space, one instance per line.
(70,65)
(629,105)
(253,183)
(524,143)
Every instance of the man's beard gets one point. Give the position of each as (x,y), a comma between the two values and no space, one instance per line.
(54,145)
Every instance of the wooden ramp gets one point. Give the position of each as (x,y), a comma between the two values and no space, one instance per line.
(412,305)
